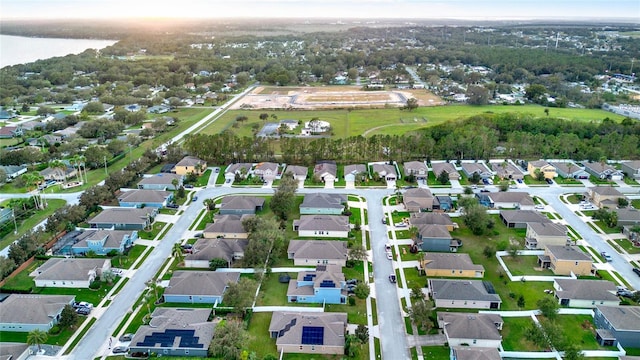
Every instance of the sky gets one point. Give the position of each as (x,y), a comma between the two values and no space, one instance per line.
(428,9)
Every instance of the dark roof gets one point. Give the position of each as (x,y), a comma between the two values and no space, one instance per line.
(523,216)
(208,249)
(430,218)
(200,283)
(622,317)
(470,325)
(472,290)
(322,222)
(459,261)
(568,253)
(290,327)
(598,290)
(241,202)
(324,200)
(318,249)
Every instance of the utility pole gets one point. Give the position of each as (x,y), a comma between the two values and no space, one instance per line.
(15,224)
(105,166)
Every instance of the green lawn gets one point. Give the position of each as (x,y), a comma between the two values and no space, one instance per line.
(203,179)
(125,262)
(579,330)
(155,230)
(31,222)
(167,211)
(525,265)
(574,199)
(22,281)
(259,340)
(513,334)
(59,339)
(605,228)
(636,203)
(627,246)
(91,296)
(531,181)
(436,352)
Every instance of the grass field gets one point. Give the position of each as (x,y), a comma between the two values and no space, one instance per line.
(31,222)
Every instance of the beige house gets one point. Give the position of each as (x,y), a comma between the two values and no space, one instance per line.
(226,226)
(604,196)
(507,171)
(190,164)
(438,168)
(205,250)
(309,332)
(540,235)
(545,167)
(463,294)
(566,260)
(317,252)
(473,330)
(416,168)
(418,199)
(450,265)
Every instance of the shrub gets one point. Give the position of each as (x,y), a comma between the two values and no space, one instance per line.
(352,301)
(95,285)
(55,330)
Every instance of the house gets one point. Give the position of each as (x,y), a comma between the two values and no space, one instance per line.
(604,196)
(351,172)
(474,353)
(518,219)
(267,171)
(161,181)
(145,198)
(26,312)
(199,287)
(239,169)
(239,205)
(540,235)
(8,132)
(507,171)
(442,202)
(569,170)
(548,170)
(436,238)
(290,124)
(102,242)
(603,171)
(205,250)
(325,285)
(190,165)
(70,272)
(124,218)
(432,218)
(506,200)
(628,217)
(450,265)
(386,172)
(7,114)
(317,252)
(58,174)
(226,226)
(438,167)
(158,109)
(479,168)
(585,293)
(323,203)
(175,332)
(467,294)
(326,171)
(13,171)
(299,172)
(418,199)
(566,260)
(631,169)
(470,329)
(309,332)
(617,325)
(335,226)
(416,168)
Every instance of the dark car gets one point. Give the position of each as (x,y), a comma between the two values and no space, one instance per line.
(173,206)
(188,186)
(519,181)
(549,181)
(352,282)
(392,278)
(194,198)
(126,337)
(637,271)
(83,311)
(120,349)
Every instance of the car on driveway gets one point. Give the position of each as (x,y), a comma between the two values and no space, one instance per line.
(126,337)
(549,181)
(401,224)
(120,349)
(83,311)
(188,186)
(539,207)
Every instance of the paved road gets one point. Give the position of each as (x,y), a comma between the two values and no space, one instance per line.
(415,76)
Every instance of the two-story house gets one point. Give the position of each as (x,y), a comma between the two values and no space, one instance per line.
(325,285)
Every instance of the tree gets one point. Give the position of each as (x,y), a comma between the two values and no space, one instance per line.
(443,177)
(362,290)
(475,216)
(475,178)
(284,197)
(108,276)
(3,176)
(32,180)
(548,307)
(57,164)
(229,340)
(264,116)
(622,202)
(521,302)
(352,346)
(420,314)
(416,293)
(412,104)
(358,253)
(488,251)
(535,92)
(571,352)
(217,263)
(176,251)
(504,185)
(36,337)
(240,295)
(68,317)
(477,95)
(93,107)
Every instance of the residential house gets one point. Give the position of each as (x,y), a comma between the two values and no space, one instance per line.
(467,294)
(334,226)
(603,171)
(309,332)
(58,174)
(566,260)
(438,167)
(617,325)
(190,165)
(50,139)
(145,198)
(470,329)
(7,114)
(518,219)
(102,242)
(8,132)
(604,196)
(474,353)
(469,168)
(569,170)
(417,199)
(631,169)
(239,169)
(506,200)
(507,171)
(33,125)
(317,252)
(436,238)
(70,272)
(161,181)
(199,287)
(325,285)
(13,171)
(267,171)
(540,235)
(585,293)
(323,203)
(450,265)
(205,250)
(298,172)
(432,218)
(124,218)
(326,171)
(158,109)
(351,172)
(175,332)
(628,217)
(26,312)
(132,107)
(416,168)
(226,226)
(386,172)
(548,170)
(239,205)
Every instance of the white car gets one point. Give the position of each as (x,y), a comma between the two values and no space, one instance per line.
(401,224)
(389,256)
(539,207)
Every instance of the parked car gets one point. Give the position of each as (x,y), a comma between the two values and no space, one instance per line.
(401,224)
(188,186)
(606,256)
(519,181)
(539,207)
(120,349)
(82,304)
(384,220)
(197,235)
(173,206)
(126,337)
(217,169)
(83,311)
(194,198)
(625,293)
(389,256)
(637,271)
(549,181)
(352,282)
(392,278)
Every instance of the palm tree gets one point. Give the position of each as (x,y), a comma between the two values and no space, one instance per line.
(36,337)
(421,261)
(177,252)
(152,284)
(33,179)
(175,183)
(57,164)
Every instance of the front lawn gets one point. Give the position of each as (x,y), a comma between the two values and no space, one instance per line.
(155,230)
(59,339)
(525,265)
(203,179)
(575,198)
(529,180)
(627,246)
(436,352)
(125,261)
(91,296)
(606,229)
(29,223)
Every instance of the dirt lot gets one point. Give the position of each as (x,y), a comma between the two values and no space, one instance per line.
(330,97)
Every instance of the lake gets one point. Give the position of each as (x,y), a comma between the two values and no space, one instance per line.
(20,50)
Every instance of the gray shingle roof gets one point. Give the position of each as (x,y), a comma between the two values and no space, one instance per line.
(472,290)
(297,170)
(433,231)
(430,218)
(384,169)
(415,167)
(114,237)
(241,202)
(32,309)
(229,224)
(264,166)
(324,201)
(471,326)
(521,198)
(236,168)
(123,216)
(470,168)
(548,229)
(568,253)
(598,290)
(325,168)
(160,179)
(355,169)
(622,317)
(69,269)
(142,196)
(318,249)
(190,161)
(437,168)
(524,216)
(458,261)
(606,190)
(208,249)
(322,223)
(333,323)
(476,353)
(628,214)
(209,283)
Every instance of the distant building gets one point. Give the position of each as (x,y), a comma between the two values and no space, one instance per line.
(24,313)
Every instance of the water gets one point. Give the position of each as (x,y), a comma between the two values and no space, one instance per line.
(20,50)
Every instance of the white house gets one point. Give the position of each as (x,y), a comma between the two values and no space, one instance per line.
(70,273)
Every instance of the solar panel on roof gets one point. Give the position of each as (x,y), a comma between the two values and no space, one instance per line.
(327,284)
(489,287)
(312,335)
(167,338)
(309,277)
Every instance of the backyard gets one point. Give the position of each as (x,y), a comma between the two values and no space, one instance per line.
(525,265)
